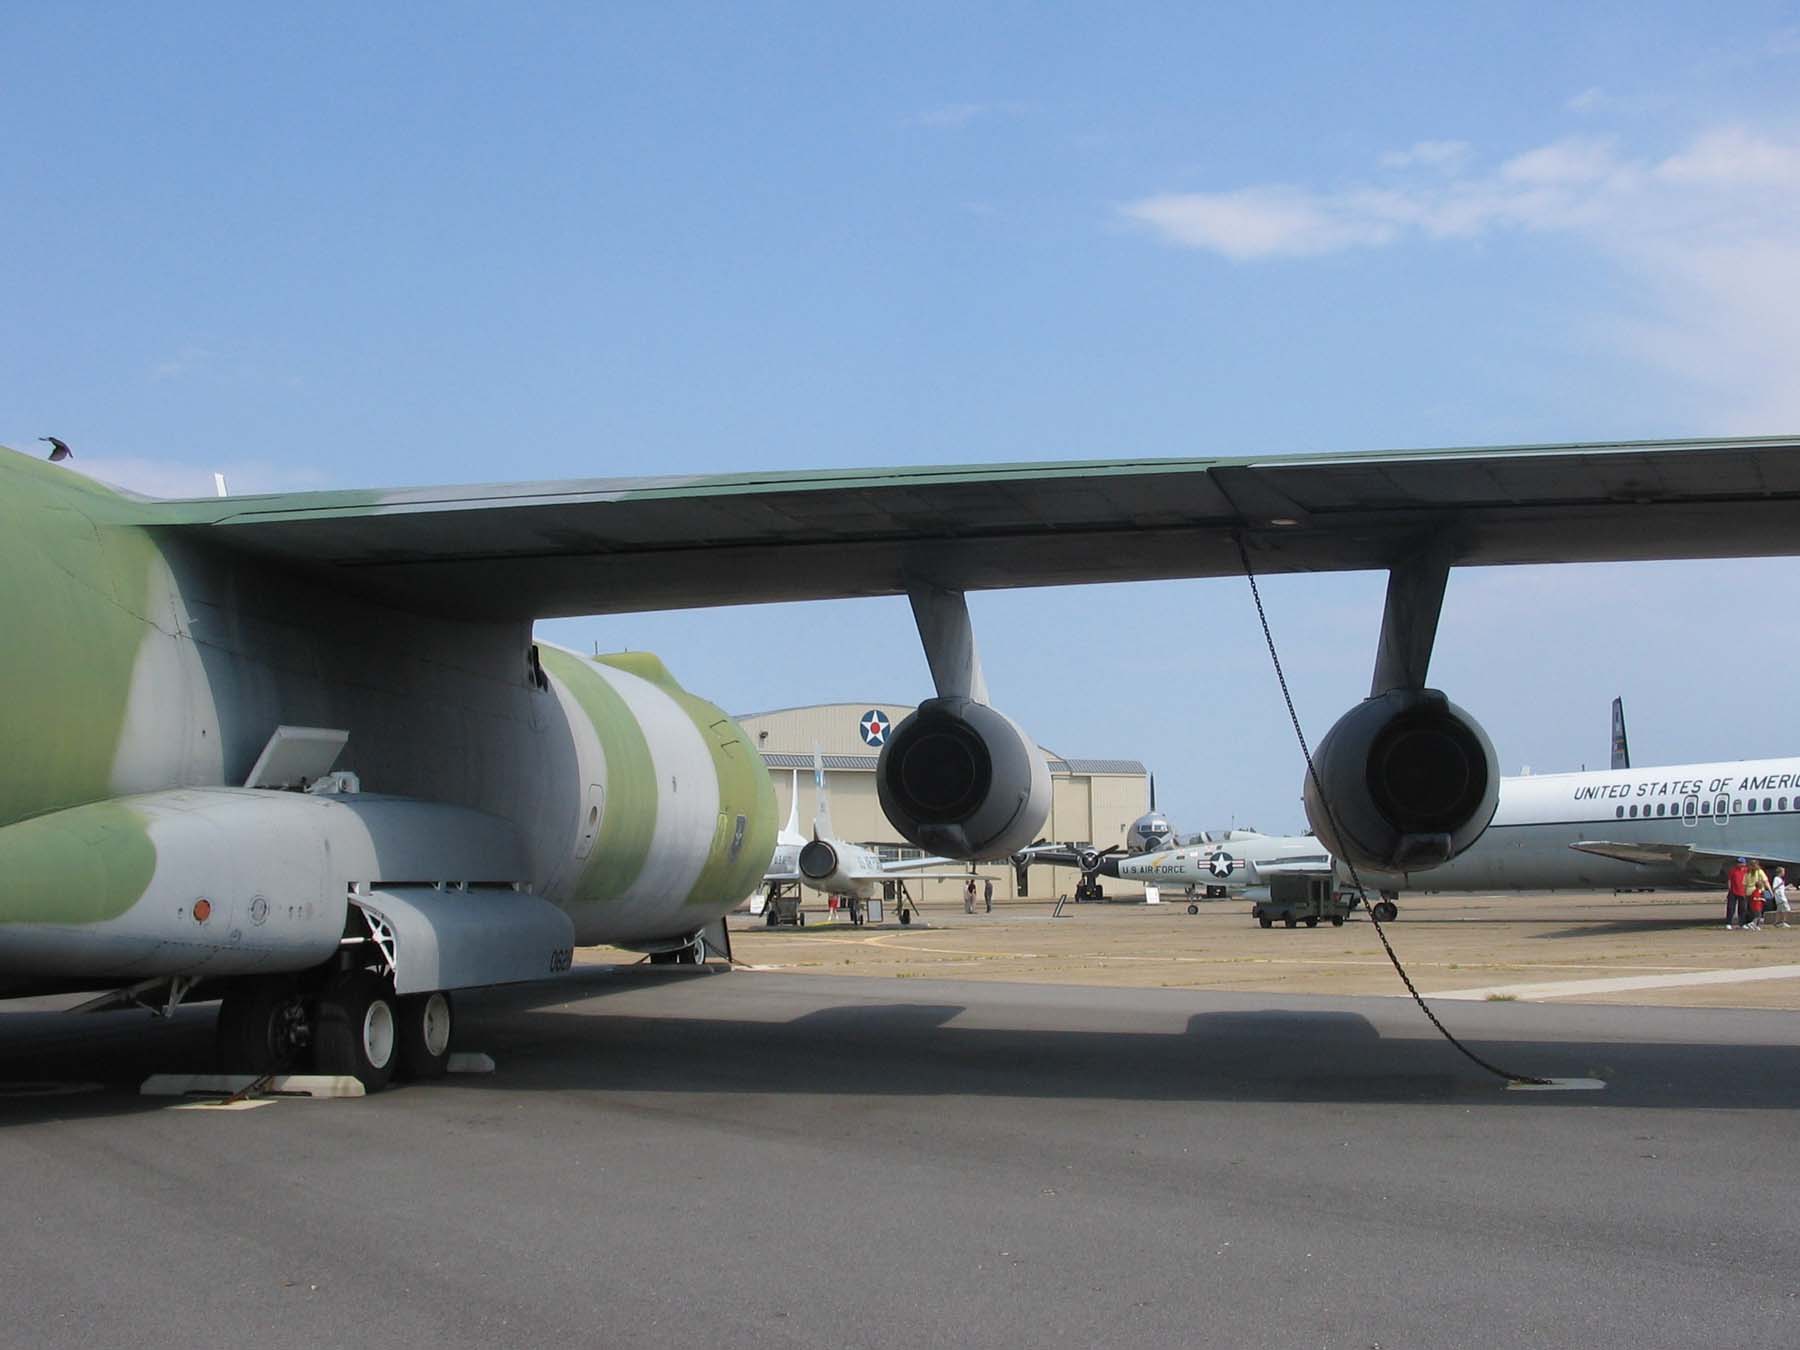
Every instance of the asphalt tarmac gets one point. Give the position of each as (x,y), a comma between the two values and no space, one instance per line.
(787,1159)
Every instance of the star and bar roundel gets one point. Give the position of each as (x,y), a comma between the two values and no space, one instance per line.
(874,726)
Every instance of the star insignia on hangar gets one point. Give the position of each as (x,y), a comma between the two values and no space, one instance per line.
(1220,864)
(874,727)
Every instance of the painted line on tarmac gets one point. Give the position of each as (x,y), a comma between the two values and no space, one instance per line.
(887,943)
(1624,984)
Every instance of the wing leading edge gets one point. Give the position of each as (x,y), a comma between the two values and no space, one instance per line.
(612,546)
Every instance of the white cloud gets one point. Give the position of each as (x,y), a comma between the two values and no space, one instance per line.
(1258,222)
(1707,232)
(1428,154)
(172,478)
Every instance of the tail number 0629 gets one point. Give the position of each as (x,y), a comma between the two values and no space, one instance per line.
(561,958)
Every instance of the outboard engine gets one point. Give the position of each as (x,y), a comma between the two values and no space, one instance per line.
(963,781)
(1412,780)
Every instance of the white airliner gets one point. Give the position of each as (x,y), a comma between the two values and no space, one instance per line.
(1679,825)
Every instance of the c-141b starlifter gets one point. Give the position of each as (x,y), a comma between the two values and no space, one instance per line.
(300,752)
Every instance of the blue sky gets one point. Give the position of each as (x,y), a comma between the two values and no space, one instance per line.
(447,243)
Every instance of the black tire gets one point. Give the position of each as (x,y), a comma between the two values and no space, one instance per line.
(1291,921)
(1312,920)
(427,1022)
(800,919)
(905,917)
(356,1033)
(1337,920)
(1265,920)
(1387,911)
(262,1028)
(1193,909)
(769,916)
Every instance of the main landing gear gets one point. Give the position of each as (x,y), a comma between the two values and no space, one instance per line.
(351,1024)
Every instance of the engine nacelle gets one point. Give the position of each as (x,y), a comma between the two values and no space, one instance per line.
(963,781)
(818,861)
(1412,780)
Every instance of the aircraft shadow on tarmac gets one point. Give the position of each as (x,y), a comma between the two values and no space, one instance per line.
(549,1038)
(1630,927)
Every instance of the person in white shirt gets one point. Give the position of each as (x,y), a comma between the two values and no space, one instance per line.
(1778,893)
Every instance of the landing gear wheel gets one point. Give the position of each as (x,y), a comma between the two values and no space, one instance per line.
(696,955)
(769,916)
(1312,920)
(262,1028)
(1386,910)
(905,917)
(425,1025)
(1193,909)
(1337,920)
(358,1033)
(1265,920)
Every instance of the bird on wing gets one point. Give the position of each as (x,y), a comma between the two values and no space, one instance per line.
(59,450)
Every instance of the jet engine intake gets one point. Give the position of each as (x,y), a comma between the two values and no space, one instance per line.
(961,780)
(1411,778)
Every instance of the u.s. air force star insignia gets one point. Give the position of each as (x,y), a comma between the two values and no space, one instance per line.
(1220,864)
(874,727)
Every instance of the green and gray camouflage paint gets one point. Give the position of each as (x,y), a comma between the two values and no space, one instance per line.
(144,668)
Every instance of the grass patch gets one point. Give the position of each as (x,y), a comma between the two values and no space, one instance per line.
(1502,998)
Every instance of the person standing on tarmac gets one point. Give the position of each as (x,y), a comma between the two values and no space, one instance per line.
(969,897)
(1734,894)
(987,894)
(1756,891)
(1778,892)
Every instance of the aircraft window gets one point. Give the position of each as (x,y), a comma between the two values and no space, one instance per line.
(1619,812)
(1706,808)
(1750,805)
(1736,805)
(1765,803)
(1634,809)
(1662,808)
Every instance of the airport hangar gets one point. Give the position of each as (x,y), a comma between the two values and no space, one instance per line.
(1091,800)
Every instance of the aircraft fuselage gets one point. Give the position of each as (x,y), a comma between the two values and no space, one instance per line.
(143,674)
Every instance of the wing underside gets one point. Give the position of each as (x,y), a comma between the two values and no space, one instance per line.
(610,546)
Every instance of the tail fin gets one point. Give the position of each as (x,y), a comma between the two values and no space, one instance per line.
(1621,752)
(822,809)
(793,825)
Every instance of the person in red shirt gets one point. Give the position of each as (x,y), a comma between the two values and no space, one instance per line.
(1736,908)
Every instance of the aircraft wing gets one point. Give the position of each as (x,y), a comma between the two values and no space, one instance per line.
(1291,867)
(1050,855)
(1701,863)
(914,865)
(535,550)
